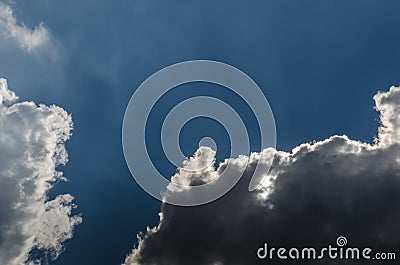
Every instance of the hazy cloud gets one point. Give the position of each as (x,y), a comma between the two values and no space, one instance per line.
(31,147)
(312,195)
(27,39)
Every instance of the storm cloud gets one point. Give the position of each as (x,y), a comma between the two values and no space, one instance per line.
(32,142)
(311,196)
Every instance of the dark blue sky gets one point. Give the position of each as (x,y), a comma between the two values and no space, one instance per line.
(318,62)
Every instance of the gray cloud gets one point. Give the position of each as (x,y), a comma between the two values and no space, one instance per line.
(312,195)
(31,147)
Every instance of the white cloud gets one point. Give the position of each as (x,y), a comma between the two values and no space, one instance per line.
(316,193)
(31,147)
(6,96)
(388,105)
(28,39)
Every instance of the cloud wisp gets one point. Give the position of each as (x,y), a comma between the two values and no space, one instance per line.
(32,142)
(311,195)
(28,39)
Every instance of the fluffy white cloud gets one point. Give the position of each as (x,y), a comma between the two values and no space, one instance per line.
(28,39)
(312,195)
(31,147)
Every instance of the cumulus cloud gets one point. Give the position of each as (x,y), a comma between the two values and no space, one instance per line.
(28,39)
(312,195)
(32,141)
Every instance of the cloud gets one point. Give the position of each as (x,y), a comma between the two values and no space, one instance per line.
(315,193)
(31,147)
(28,39)
(388,106)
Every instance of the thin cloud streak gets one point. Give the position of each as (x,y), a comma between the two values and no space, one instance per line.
(28,39)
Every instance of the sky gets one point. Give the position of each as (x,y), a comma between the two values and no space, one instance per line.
(319,64)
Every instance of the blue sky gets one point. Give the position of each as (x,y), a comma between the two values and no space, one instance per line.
(319,63)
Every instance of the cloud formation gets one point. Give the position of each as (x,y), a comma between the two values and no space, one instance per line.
(28,39)
(31,147)
(312,195)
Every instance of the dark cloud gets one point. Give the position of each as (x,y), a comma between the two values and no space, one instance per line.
(316,193)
